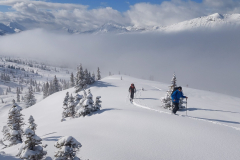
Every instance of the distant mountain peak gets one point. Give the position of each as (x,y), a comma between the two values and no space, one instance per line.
(10,28)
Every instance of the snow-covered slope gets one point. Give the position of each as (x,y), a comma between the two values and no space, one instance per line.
(11,27)
(16,27)
(110,27)
(5,29)
(142,130)
(206,22)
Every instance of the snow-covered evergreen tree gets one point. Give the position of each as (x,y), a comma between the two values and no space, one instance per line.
(67,148)
(98,74)
(18,94)
(71,106)
(31,149)
(77,98)
(12,132)
(56,87)
(174,81)
(97,104)
(86,77)
(45,90)
(167,100)
(86,105)
(51,88)
(72,82)
(29,98)
(65,102)
(32,125)
(65,106)
(80,80)
(93,78)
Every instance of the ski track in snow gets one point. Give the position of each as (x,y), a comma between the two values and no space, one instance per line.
(156,88)
(138,95)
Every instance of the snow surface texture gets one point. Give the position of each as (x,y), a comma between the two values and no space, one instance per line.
(141,130)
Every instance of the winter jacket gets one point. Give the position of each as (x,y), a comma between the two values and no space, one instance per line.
(132,89)
(176,96)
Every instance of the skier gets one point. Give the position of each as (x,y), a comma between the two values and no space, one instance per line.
(175,99)
(132,90)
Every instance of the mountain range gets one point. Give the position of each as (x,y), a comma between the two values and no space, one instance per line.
(205,22)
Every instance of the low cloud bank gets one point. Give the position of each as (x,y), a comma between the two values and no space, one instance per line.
(206,60)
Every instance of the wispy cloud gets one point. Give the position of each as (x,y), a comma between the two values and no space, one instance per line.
(42,14)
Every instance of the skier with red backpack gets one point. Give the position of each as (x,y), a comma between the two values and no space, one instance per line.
(132,90)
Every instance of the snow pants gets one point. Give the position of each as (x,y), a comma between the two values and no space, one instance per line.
(176,107)
(132,95)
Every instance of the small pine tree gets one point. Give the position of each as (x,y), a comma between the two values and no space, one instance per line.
(71,106)
(72,83)
(12,132)
(65,102)
(86,77)
(98,74)
(97,104)
(77,99)
(45,90)
(32,125)
(80,80)
(93,78)
(65,106)
(86,105)
(167,100)
(51,88)
(18,94)
(68,147)
(29,98)
(174,81)
(31,149)
(56,87)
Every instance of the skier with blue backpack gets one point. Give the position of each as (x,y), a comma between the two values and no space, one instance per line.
(176,95)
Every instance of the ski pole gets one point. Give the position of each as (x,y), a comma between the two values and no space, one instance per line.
(186,107)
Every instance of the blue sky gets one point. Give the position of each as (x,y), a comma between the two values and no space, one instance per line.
(120,5)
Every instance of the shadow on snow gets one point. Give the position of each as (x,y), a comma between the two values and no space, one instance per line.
(53,138)
(147,98)
(49,134)
(193,109)
(102,110)
(217,120)
(7,157)
(102,84)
